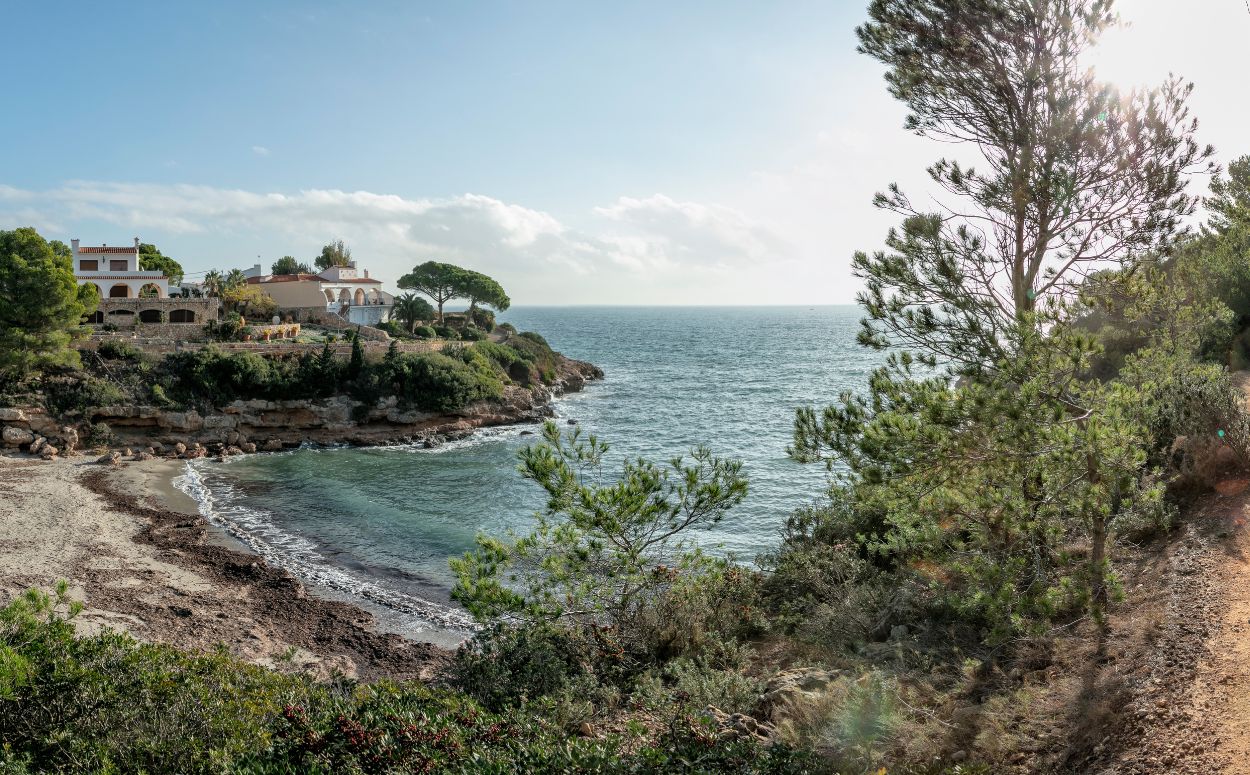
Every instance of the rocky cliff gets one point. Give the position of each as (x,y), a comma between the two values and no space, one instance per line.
(250,426)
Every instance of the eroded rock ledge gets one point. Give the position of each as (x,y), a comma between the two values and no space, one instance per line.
(259,425)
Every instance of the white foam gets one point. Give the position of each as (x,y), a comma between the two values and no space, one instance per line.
(223,506)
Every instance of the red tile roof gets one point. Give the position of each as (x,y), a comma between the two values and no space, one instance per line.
(293,278)
(108,250)
(282,278)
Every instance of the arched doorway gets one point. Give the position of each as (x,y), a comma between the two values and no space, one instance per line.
(182,316)
(329,296)
(359,298)
(95,318)
(150,291)
(345,297)
(119,291)
(150,316)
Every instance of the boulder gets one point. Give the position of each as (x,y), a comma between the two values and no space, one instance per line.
(49,452)
(247,447)
(272,445)
(180,448)
(112,458)
(69,439)
(8,414)
(36,446)
(143,456)
(789,691)
(12,436)
(739,725)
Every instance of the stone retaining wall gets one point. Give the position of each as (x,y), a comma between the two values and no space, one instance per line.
(330,319)
(166,345)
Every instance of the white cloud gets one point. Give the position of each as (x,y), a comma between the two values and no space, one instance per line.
(260,150)
(622,253)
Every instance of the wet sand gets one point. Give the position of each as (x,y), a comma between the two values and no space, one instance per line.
(137,552)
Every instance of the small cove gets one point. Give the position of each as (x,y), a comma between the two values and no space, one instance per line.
(378,525)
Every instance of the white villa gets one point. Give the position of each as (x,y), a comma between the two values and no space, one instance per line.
(345,290)
(115,272)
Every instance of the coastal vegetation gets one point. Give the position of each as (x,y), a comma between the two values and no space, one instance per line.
(107,703)
(1056,391)
(289,265)
(151,259)
(444,282)
(41,305)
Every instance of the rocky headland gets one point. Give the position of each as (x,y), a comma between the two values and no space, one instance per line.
(248,426)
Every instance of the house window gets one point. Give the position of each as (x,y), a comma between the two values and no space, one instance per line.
(118,265)
(88,266)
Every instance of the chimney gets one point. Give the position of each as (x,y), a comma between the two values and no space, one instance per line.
(136,243)
(74,244)
(366,274)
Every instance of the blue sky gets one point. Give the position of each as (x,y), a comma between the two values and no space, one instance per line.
(647,152)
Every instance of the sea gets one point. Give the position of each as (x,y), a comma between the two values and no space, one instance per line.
(376,526)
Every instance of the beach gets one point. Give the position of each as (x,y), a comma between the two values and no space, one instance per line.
(138,554)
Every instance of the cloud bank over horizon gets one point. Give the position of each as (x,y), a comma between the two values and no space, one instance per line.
(655,247)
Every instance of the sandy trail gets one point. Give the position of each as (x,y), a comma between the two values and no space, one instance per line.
(143,561)
(1223,679)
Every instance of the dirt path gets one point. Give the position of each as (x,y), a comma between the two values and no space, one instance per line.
(1223,679)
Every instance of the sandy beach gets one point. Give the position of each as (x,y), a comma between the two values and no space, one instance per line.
(138,554)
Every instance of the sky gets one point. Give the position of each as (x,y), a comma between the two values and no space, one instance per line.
(579,152)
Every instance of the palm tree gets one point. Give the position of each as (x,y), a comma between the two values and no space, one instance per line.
(412,309)
(213,282)
(235,278)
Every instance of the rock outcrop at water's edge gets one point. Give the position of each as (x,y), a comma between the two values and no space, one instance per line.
(259,425)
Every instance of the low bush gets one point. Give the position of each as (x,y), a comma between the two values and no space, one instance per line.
(506,666)
(472,334)
(536,339)
(118,349)
(107,703)
(441,383)
(425,332)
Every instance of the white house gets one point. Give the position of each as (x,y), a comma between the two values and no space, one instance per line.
(344,290)
(115,272)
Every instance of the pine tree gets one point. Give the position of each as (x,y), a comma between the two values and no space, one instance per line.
(357,363)
(327,371)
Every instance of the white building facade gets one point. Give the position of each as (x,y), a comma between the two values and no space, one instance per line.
(115,272)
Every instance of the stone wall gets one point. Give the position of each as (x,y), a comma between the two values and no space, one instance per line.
(169,344)
(330,319)
(129,313)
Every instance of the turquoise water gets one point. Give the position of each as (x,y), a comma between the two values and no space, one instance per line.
(380,524)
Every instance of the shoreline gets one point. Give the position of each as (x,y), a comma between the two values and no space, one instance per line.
(137,551)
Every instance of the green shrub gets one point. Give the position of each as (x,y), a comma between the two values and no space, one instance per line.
(507,328)
(446,332)
(441,383)
(227,329)
(483,319)
(425,332)
(80,392)
(536,339)
(96,435)
(118,349)
(505,666)
(472,334)
(107,703)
